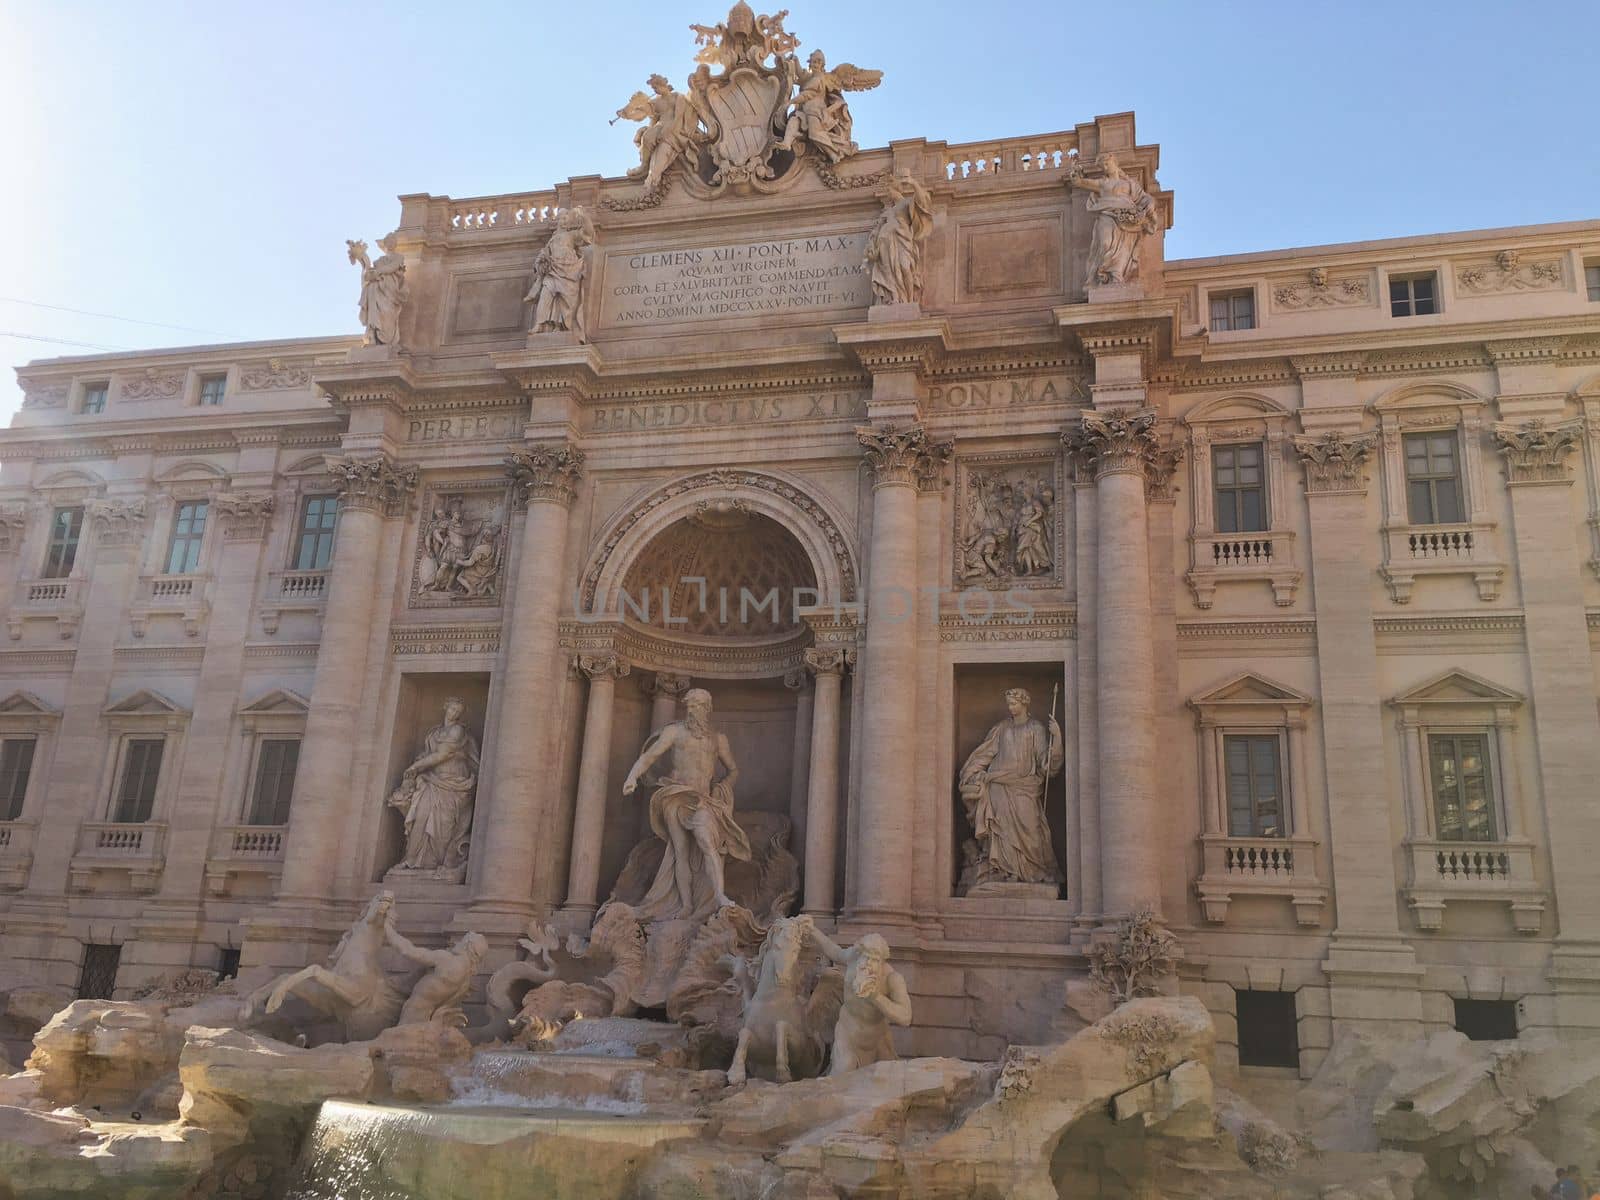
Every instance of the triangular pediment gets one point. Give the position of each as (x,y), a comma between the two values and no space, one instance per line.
(146,703)
(26,704)
(279,702)
(1459,687)
(1251,688)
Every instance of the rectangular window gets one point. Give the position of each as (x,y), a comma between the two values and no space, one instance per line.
(1433,479)
(98,979)
(1463,795)
(275,768)
(94,397)
(1255,786)
(66,528)
(1239,483)
(1487,1020)
(1591,279)
(16,765)
(1233,310)
(136,791)
(188,532)
(228,963)
(211,389)
(317,520)
(1269,1034)
(1412,296)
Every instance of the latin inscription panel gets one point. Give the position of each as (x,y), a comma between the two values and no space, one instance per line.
(775,278)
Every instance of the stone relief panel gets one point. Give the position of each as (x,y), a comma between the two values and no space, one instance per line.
(461,545)
(275,374)
(1507,272)
(1008,521)
(1318,289)
(151,384)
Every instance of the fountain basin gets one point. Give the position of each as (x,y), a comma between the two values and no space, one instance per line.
(459,1152)
(588,1082)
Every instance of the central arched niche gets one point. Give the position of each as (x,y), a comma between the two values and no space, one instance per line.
(715,574)
(743,653)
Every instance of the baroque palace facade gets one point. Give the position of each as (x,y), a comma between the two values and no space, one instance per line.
(1301,549)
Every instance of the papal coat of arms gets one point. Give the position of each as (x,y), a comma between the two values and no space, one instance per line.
(752,110)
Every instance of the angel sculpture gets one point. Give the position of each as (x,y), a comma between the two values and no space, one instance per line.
(557,291)
(787,1026)
(383,290)
(894,248)
(672,132)
(820,113)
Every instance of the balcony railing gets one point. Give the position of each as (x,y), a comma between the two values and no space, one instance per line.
(16,853)
(981,159)
(137,847)
(292,591)
(1464,548)
(1442,542)
(503,212)
(1266,556)
(1445,871)
(1235,867)
(244,850)
(51,593)
(181,596)
(60,600)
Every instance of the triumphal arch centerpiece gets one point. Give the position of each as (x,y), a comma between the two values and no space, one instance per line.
(797,561)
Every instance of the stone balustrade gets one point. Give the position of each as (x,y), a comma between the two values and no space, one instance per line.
(59,600)
(137,847)
(503,212)
(1236,867)
(975,160)
(1443,871)
(292,591)
(1238,557)
(1464,548)
(238,850)
(181,596)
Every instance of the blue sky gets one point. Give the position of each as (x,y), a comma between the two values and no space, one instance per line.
(201,164)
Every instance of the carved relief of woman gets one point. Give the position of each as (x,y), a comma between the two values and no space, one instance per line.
(1034,556)
(894,248)
(1123,213)
(435,796)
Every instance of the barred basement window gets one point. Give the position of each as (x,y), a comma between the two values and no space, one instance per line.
(1487,1020)
(98,979)
(228,963)
(1268,1033)
(16,765)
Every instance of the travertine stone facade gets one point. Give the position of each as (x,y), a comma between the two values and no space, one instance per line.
(1310,587)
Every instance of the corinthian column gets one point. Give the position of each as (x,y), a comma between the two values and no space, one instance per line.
(369,487)
(822,798)
(1122,452)
(589,823)
(899,459)
(511,872)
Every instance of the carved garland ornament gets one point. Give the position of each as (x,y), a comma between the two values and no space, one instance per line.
(372,484)
(1335,461)
(548,474)
(727,480)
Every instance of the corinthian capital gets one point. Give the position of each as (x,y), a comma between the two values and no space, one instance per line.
(1335,461)
(829,660)
(903,456)
(603,666)
(1536,452)
(547,473)
(371,482)
(244,514)
(118,522)
(1124,443)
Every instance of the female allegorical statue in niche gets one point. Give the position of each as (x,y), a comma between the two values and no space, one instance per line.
(383,291)
(557,291)
(1123,213)
(894,248)
(1002,787)
(435,797)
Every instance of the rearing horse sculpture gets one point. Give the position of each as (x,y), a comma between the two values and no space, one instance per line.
(784,1031)
(353,988)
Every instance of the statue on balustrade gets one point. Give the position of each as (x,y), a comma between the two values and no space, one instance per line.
(691,810)
(558,275)
(1123,214)
(1002,788)
(435,797)
(894,247)
(383,291)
